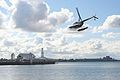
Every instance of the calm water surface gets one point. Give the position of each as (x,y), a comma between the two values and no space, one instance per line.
(62,71)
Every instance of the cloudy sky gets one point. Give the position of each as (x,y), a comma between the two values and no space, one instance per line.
(28,25)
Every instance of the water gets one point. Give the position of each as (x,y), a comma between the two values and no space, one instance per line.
(62,71)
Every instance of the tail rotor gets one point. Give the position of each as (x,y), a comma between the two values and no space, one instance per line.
(95,17)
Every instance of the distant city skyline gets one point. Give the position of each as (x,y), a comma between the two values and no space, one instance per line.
(28,25)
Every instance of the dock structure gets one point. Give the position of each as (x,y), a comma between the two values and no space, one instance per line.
(27,59)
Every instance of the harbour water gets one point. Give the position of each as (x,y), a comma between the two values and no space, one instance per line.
(62,71)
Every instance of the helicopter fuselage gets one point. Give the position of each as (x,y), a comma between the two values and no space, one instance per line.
(77,24)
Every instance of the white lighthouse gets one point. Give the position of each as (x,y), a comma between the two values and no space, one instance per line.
(42,53)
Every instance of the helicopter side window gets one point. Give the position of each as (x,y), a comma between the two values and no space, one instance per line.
(75,23)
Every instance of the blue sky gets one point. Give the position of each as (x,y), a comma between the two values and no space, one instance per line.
(87,8)
(30,31)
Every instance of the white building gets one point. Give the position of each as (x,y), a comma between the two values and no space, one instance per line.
(25,56)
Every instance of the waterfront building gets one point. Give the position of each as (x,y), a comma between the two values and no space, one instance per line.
(25,56)
(107,58)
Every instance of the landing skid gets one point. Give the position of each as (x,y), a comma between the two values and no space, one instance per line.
(82,29)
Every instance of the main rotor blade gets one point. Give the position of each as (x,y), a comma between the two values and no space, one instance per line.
(78,14)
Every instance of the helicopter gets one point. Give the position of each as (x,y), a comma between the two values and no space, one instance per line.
(77,25)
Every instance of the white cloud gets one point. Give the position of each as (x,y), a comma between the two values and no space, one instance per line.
(17,41)
(3,4)
(111,35)
(88,48)
(9,43)
(5,12)
(56,18)
(111,22)
(34,16)
(27,17)
(1,19)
